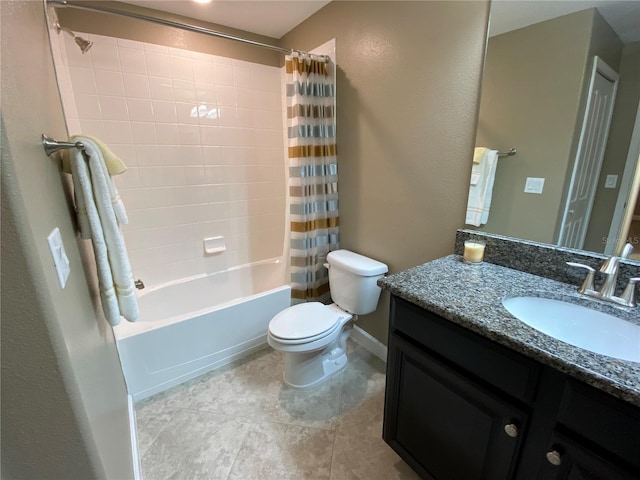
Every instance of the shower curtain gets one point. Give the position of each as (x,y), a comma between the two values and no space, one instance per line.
(313,170)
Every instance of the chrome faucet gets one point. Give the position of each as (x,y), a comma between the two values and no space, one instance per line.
(610,268)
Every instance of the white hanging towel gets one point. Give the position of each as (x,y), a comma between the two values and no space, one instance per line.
(100,210)
(482,176)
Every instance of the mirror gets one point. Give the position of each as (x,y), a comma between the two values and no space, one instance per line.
(537,76)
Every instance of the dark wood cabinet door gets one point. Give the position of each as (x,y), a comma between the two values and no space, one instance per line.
(569,460)
(445,426)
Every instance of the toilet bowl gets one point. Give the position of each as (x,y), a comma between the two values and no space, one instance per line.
(313,336)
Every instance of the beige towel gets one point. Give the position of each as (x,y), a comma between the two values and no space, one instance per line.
(114,164)
(479,153)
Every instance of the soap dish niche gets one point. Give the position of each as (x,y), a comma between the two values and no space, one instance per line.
(214,245)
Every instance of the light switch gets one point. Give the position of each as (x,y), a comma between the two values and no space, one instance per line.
(60,259)
(534,185)
(611,181)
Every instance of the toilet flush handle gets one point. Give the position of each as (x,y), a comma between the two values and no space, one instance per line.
(326,265)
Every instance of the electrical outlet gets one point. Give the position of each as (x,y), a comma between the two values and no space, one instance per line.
(534,185)
(60,259)
(611,181)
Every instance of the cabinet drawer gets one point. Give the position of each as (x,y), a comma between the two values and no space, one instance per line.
(502,368)
(606,421)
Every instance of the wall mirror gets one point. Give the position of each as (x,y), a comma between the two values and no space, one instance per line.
(537,97)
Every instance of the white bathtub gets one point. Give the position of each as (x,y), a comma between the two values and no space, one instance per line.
(196,324)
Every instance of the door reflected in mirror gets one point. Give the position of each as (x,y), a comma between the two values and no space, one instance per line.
(565,93)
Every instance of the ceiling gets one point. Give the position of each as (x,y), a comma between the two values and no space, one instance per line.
(507,15)
(274,18)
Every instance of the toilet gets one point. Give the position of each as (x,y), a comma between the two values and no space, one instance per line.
(313,336)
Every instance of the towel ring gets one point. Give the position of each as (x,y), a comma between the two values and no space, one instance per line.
(52,146)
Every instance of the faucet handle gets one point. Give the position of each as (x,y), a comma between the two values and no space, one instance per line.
(626,251)
(587,284)
(629,293)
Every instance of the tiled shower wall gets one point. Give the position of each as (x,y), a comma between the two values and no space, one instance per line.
(202,136)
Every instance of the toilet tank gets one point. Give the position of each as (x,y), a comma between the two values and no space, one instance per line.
(353,281)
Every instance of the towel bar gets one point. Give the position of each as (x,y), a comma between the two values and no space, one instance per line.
(51,146)
(510,153)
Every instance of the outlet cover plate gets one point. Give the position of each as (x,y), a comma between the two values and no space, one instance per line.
(534,185)
(60,259)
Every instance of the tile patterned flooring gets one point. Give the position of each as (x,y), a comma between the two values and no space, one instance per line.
(242,422)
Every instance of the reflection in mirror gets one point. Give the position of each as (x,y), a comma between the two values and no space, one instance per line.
(563,91)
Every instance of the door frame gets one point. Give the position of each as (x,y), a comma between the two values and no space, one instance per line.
(627,195)
(599,66)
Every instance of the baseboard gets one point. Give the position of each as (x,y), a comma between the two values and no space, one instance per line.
(370,343)
(137,466)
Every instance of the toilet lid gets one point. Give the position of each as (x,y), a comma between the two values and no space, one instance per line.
(304,320)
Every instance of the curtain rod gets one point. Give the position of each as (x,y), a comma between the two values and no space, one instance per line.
(170,23)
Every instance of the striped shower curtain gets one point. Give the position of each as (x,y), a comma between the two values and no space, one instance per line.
(313,174)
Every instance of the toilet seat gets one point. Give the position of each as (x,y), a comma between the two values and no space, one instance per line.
(306,322)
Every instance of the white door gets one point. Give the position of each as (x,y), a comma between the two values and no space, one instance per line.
(591,146)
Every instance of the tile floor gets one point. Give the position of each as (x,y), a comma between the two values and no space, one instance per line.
(242,422)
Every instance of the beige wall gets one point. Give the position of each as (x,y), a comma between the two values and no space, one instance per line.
(407,90)
(620,133)
(64,404)
(124,27)
(530,100)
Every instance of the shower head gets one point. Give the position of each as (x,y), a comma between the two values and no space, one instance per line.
(84,44)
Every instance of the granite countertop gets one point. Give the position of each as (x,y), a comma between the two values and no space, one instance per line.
(471,296)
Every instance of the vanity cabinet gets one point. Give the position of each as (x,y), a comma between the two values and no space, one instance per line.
(460,406)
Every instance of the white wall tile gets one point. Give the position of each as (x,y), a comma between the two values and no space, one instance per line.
(158,64)
(105,57)
(189,134)
(181,68)
(140,109)
(171,155)
(113,108)
(168,134)
(128,179)
(187,112)
(223,74)
(161,88)
(109,83)
(136,85)
(151,176)
(164,111)
(117,132)
(203,71)
(83,80)
(190,155)
(148,155)
(209,135)
(225,95)
(187,124)
(144,133)
(242,76)
(132,60)
(211,155)
(95,128)
(195,175)
(184,90)
(88,106)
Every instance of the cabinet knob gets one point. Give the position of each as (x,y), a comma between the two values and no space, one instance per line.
(511,430)
(554,458)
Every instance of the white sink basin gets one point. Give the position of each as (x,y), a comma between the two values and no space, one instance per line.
(578,326)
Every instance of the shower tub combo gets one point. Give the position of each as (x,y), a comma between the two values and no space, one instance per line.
(193,325)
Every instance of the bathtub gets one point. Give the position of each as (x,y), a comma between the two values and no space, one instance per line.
(193,325)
